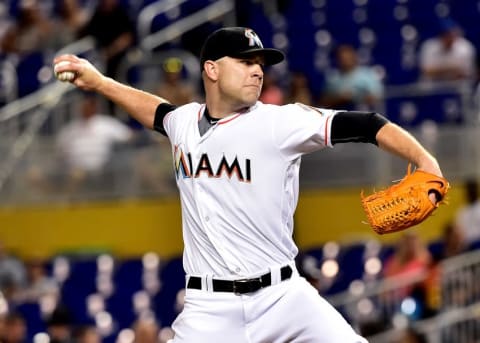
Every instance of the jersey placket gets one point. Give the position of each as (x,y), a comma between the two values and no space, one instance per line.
(206,214)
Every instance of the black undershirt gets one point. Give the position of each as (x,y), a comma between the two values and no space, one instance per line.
(356,126)
(162,110)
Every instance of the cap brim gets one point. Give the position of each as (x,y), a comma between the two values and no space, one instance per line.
(271,56)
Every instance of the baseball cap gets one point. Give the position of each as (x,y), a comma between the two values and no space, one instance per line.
(237,42)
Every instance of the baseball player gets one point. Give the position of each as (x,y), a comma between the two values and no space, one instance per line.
(237,164)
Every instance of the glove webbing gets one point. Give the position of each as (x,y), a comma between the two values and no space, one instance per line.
(394,213)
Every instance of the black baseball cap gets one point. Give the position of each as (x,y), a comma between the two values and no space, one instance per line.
(237,42)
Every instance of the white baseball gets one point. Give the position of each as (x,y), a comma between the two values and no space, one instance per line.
(64,76)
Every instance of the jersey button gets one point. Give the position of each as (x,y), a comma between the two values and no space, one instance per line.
(238,270)
(207,218)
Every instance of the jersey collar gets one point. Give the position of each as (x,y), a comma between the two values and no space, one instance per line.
(204,112)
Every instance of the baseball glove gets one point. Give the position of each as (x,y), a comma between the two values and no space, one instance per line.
(406,203)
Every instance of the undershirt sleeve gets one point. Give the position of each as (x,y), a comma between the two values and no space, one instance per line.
(162,110)
(356,126)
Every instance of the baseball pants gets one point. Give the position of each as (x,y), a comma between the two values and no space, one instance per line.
(289,311)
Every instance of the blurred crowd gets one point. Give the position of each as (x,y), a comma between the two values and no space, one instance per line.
(33,308)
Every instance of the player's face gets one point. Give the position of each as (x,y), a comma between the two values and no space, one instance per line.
(241,79)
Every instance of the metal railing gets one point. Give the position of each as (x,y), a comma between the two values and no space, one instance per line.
(457,319)
(21,119)
(150,12)
(217,9)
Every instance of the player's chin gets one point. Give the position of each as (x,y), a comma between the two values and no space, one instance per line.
(250,98)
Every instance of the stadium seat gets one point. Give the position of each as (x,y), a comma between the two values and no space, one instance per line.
(412,111)
(351,261)
(173,280)
(80,284)
(33,316)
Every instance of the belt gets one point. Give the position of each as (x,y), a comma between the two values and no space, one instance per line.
(241,286)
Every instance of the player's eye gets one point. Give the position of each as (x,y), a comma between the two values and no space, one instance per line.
(253,62)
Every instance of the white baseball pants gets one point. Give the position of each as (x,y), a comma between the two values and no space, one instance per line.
(290,311)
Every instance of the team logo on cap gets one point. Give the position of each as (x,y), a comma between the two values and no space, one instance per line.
(253,39)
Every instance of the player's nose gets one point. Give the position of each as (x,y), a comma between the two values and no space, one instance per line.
(257,71)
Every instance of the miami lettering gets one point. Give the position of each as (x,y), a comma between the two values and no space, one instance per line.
(180,165)
(185,168)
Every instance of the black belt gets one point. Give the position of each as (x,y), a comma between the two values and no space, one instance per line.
(241,286)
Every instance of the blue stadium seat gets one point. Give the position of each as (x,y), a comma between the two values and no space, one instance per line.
(32,314)
(120,306)
(173,280)
(351,266)
(27,73)
(80,284)
(381,16)
(441,108)
(128,276)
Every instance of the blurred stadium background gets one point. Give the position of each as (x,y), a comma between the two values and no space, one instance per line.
(111,242)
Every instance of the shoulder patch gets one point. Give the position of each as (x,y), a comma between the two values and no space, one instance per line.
(309,108)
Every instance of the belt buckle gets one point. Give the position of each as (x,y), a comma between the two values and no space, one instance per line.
(244,286)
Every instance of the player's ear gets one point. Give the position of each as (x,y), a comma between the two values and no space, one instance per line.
(211,70)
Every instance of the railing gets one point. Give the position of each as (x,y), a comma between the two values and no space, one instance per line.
(8,77)
(21,119)
(211,12)
(454,326)
(149,12)
(457,320)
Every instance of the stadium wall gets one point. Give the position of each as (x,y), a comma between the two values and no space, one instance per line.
(133,227)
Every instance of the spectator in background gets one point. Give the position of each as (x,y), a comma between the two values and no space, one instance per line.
(165,335)
(468,216)
(299,90)
(86,334)
(271,92)
(113,31)
(448,56)
(453,244)
(39,284)
(351,86)
(24,44)
(146,330)
(3,325)
(86,144)
(15,329)
(30,31)
(172,85)
(411,258)
(59,325)
(71,17)
(12,273)
(412,336)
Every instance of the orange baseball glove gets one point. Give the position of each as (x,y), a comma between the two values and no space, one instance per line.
(406,203)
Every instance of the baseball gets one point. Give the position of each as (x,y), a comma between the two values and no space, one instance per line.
(64,76)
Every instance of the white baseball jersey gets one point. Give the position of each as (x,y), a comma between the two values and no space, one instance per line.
(239,184)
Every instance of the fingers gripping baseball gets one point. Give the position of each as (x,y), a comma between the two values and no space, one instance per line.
(78,71)
(63,75)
